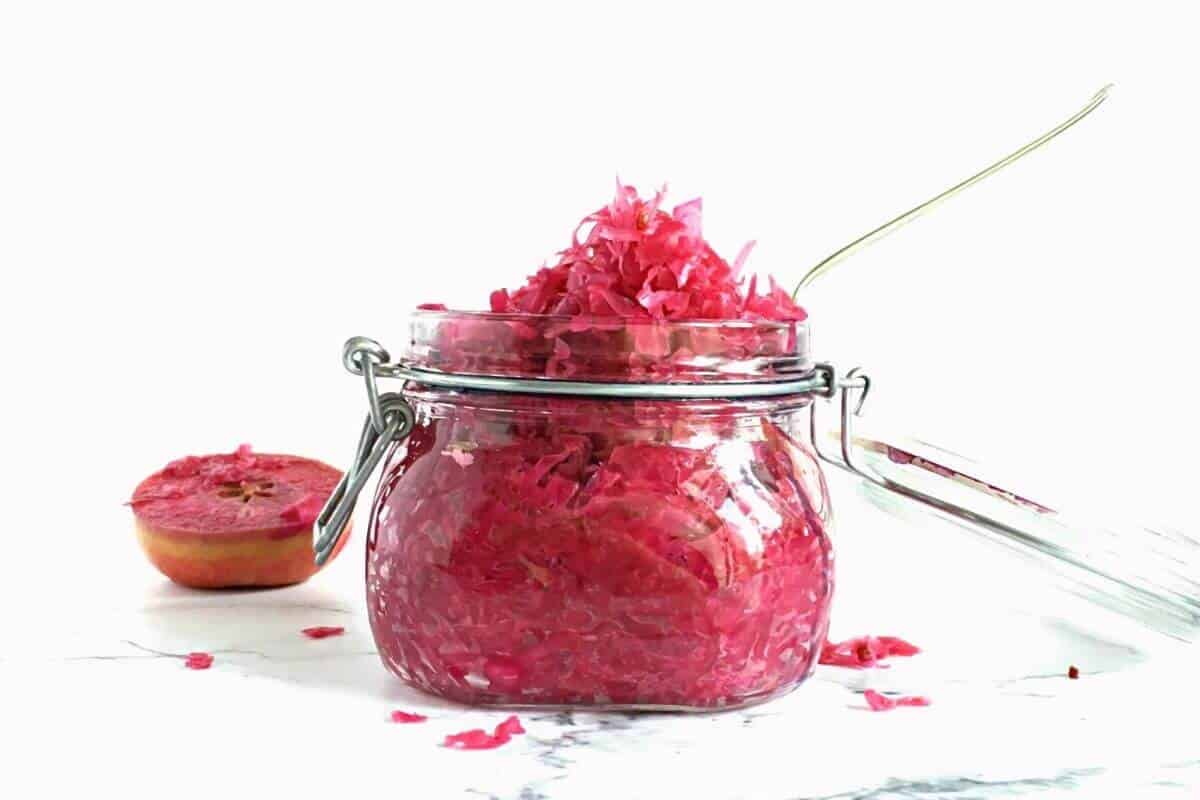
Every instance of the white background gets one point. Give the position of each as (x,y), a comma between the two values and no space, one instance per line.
(200,201)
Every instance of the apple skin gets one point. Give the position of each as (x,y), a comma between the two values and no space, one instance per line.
(254,558)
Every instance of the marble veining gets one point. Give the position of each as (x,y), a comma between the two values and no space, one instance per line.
(958,787)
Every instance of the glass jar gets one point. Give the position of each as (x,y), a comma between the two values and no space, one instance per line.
(621,514)
(528,548)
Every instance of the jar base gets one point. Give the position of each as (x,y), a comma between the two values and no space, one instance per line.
(483,701)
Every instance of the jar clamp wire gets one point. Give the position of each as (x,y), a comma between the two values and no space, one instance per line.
(390,419)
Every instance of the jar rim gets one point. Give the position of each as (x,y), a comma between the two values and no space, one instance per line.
(450,313)
(607,349)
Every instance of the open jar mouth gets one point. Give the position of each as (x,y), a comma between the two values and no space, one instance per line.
(607,349)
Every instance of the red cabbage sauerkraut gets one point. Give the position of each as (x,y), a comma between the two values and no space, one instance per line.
(530,550)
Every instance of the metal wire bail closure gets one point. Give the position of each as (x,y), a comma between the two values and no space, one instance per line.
(390,419)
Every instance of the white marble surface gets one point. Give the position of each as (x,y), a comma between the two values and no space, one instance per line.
(95,695)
